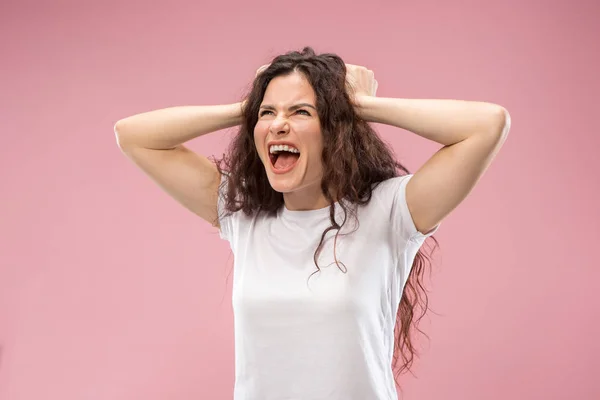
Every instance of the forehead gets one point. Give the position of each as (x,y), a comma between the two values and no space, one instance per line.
(288,89)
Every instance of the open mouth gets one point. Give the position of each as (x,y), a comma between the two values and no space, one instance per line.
(283,157)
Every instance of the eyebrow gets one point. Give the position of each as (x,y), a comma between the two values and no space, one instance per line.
(292,108)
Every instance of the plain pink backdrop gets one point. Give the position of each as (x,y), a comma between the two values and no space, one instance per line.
(111,290)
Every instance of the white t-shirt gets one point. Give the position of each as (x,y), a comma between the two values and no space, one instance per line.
(330,337)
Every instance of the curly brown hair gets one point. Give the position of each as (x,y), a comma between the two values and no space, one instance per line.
(355,160)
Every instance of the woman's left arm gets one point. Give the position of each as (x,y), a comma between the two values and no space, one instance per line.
(471,133)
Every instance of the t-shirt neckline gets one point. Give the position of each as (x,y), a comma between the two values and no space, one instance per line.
(304,214)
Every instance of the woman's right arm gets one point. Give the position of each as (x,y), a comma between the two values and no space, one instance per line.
(154,142)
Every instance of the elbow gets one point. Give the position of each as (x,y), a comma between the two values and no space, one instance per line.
(500,122)
(118,126)
(120,138)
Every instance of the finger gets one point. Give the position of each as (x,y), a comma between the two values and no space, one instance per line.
(262,68)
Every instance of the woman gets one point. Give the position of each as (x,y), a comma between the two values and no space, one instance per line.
(326,227)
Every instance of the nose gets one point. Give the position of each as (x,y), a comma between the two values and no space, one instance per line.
(279,126)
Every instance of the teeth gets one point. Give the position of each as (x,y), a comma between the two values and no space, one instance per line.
(283,147)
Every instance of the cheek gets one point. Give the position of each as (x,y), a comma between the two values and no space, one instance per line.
(259,138)
(315,149)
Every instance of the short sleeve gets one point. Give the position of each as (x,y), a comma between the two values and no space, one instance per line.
(402,221)
(225,221)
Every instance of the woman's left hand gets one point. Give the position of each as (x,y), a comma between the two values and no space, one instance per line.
(361,82)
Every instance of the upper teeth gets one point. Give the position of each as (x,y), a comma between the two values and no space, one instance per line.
(283,147)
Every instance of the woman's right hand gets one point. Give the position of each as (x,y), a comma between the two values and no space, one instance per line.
(261,69)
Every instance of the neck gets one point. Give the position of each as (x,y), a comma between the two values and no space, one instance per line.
(305,200)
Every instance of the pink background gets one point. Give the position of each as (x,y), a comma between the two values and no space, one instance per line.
(111,290)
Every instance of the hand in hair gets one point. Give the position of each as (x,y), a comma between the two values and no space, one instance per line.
(360,82)
(261,69)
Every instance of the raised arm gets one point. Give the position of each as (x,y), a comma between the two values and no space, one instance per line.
(471,133)
(154,142)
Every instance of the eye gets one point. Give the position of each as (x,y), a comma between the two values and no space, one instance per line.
(264,112)
(304,111)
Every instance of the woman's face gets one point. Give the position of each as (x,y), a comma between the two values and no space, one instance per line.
(288,116)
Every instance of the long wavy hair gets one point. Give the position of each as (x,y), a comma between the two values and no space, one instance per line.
(355,160)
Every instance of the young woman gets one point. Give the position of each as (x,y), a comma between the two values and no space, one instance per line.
(325,226)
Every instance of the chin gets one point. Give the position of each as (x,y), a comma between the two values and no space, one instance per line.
(283,184)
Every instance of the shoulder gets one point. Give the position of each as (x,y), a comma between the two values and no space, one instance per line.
(391,187)
(387,193)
